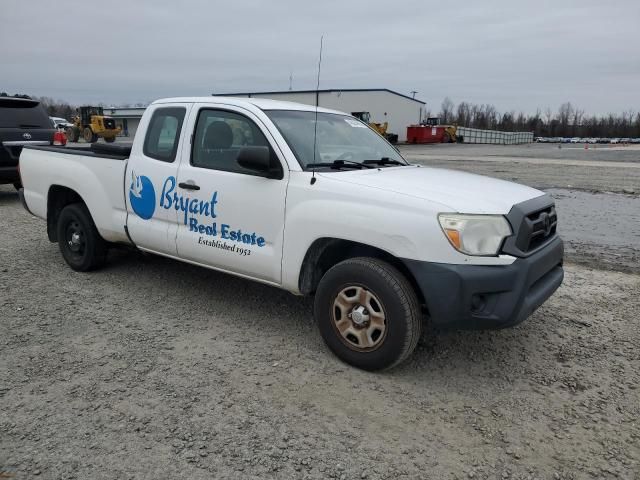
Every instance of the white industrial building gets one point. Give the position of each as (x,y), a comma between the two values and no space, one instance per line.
(383,104)
(127,118)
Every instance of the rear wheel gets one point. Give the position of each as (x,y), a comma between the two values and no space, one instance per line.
(109,139)
(17,185)
(81,245)
(368,313)
(72,134)
(89,136)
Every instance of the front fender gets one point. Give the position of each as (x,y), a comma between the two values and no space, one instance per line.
(400,225)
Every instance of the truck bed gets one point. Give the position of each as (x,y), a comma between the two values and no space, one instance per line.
(96,174)
(97,150)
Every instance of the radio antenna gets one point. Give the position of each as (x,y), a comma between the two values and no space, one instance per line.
(315,124)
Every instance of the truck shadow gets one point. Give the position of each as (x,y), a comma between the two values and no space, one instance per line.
(440,352)
(8,195)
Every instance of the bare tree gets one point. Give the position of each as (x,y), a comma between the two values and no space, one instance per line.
(446,110)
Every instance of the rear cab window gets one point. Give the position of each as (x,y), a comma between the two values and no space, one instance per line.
(21,113)
(163,133)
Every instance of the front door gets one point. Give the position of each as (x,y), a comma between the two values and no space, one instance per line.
(230,218)
(151,167)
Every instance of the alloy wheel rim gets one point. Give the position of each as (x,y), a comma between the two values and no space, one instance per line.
(359,318)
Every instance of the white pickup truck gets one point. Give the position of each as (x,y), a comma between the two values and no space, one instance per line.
(311,201)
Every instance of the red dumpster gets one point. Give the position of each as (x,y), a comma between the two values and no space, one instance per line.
(425,134)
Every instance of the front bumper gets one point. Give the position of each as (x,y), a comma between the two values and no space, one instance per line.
(489,297)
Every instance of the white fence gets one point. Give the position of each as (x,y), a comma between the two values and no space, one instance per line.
(475,135)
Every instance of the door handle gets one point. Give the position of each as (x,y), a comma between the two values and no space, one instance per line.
(188,186)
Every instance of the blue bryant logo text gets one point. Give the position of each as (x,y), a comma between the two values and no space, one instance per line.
(142,196)
(188,205)
(193,207)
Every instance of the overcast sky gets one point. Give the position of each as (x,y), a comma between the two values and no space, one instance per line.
(517,55)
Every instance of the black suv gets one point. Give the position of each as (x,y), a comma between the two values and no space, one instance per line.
(23,121)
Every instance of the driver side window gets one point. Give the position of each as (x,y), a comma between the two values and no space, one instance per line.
(219,137)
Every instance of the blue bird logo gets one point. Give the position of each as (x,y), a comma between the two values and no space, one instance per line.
(142,196)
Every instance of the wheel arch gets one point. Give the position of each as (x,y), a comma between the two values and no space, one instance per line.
(326,252)
(59,197)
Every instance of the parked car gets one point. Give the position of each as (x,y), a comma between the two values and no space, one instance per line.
(61,123)
(23,121)
(615,140)
(575,140)
(246,186)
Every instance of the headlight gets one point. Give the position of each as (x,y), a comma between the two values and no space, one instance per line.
(475,234)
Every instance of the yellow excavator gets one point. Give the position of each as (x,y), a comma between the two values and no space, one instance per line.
(92,124)
(450,131)
(381,128)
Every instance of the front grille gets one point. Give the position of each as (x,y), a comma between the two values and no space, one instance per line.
(542,226)
(534,224)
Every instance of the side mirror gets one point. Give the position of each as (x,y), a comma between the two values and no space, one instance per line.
(258,159)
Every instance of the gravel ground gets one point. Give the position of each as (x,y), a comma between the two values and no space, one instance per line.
(152,368)
(607,168)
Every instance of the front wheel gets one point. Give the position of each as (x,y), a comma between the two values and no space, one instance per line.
(109,139)
(89,136)
(81,245)
(368,313)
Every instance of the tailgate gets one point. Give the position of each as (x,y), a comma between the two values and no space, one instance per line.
(13,139)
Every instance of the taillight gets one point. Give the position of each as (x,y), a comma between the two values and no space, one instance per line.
(59,139)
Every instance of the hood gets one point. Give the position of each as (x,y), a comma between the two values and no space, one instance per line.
(459,191)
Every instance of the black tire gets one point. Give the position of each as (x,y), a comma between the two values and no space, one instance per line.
(89,136)
(109,139)
(17,185)
(87,250)
(395,298)
(446,138)
(72,134)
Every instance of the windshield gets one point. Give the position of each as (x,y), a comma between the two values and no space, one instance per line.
(339,137)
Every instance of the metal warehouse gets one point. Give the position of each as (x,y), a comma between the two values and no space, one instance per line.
(127,118)
(383,104)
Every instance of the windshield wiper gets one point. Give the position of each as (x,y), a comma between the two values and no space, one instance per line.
(384,161)
(337,164)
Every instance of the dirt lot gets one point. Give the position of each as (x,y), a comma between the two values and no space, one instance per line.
(607,168)
(153,369)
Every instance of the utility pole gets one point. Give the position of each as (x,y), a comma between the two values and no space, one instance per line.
(291,80)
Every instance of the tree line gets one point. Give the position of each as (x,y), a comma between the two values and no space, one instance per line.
(568,121)
(63,109)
